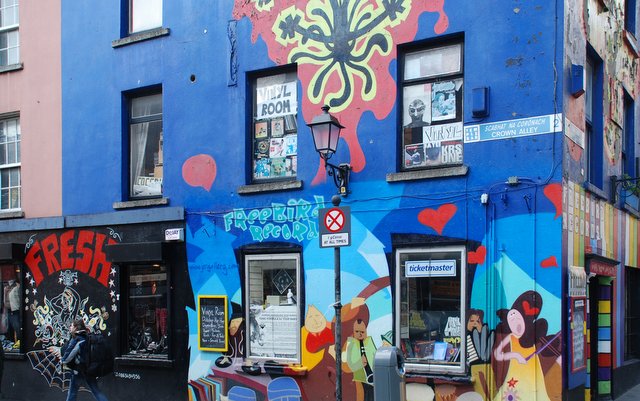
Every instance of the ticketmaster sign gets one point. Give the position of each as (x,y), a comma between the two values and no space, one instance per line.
(430,268)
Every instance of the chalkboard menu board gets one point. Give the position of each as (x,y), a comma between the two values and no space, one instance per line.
(578,352)
(212,322)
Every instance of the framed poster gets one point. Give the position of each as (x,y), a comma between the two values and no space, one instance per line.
(578,338)
(212,323)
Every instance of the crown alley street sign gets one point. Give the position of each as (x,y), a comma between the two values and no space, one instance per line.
(335,226)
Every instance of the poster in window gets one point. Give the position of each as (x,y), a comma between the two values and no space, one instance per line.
(277,128)
(273,332)
(443,144)
(578,352)
(290,123)
(261,129)
(414,155)
(276,100)
(417,111)
(290,145)
(276,148)
(443,101)
(262,148)
(278,167)
(261,168)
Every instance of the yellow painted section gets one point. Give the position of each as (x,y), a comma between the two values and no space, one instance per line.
(604,307)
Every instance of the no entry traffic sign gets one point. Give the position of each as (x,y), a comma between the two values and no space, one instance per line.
(335,226)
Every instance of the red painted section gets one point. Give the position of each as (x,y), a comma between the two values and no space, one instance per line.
(553,192)
(437,219)
(479,256)
(200,171)
(549,262)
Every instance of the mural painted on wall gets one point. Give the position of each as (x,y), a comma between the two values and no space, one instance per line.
(68,277)
(343,50)
(502,354)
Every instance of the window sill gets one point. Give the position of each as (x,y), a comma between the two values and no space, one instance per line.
(11,67)
(272,368)
(443,172)
(631,210)
(595,190)
(140,37)
(15,214)
(441,377)
(144,361)
(269,187)
(141,203)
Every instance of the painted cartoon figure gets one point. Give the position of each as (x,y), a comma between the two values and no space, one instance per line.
(360,355)
(522,347)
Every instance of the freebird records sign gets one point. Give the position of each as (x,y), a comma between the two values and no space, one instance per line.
(335,227)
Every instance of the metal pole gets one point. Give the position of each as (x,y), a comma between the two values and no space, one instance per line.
(338,307)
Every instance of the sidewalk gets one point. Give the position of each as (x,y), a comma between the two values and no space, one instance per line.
(632,395)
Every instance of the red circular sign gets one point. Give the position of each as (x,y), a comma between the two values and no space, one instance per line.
(334,220)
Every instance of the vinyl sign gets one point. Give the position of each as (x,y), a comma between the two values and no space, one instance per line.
(430,268)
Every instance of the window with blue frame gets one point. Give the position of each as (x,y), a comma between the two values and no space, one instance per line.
(274,128)
(145,146)
(594,134)
(629,160)
(144,15)
(630,16)
(431,104)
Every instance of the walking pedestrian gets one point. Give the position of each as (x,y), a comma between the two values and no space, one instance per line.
(73,355)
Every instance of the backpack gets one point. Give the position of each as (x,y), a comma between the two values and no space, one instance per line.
(97,357)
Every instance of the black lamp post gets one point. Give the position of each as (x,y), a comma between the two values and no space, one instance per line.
(325,129)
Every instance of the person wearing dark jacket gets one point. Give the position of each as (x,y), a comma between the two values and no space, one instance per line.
(70,356)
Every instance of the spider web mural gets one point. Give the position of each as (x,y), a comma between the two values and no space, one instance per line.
(50,368)
(51,321)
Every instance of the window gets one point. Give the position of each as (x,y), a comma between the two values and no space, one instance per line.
(10,164)
(594,150)
(145,130)
(430,306)
(432,107)
(632,314)
(11,311)
(272,309)
(147,311)
(144,15)
(274,130)
(9,39)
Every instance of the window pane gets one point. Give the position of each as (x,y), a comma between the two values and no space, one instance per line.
(11,288)
(145,14)
(146,144)
(431,311)
(146,106)
(432,62)
(14,198)
(3,154)
(4,198)
(11,152)
(148,310)
(273,309)
(274,128)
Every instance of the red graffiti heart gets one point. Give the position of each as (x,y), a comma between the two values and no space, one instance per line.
(478,257)
(549,262)
(554,193)
(529,310)
(437,219)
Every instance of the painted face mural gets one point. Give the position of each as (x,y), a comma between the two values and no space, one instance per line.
(67,278)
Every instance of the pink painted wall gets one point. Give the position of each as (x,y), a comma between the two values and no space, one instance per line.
(35,92)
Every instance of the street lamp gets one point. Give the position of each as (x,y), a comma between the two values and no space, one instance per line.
(325,129)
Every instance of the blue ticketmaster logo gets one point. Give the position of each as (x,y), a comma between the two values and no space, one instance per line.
(430,268)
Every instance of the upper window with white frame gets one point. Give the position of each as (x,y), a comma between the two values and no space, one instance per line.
(146,146)
(432,81)
(272,308)
(10,189)
(144,15)
(274,129)
(9,38)
(430,303)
